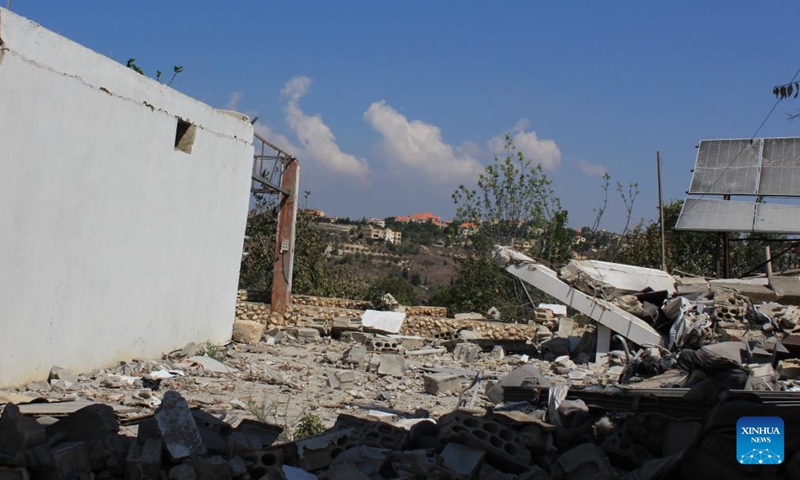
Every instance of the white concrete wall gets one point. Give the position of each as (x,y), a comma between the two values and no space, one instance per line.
(113,244)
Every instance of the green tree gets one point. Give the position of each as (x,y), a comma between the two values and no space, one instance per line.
(515,205)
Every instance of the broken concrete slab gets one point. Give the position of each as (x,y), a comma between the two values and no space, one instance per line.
(602,311)
(436,383)
(789,368)
(525,374)
(391,364)
(389,322)
(177,427)
(355,355)
(18,432)
(466,352)
(247,331)
(461,459)
(212,365)
(616,279)
(93,422)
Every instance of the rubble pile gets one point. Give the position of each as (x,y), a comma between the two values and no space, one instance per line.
(640,384)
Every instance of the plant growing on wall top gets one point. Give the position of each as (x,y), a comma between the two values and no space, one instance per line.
(175,71)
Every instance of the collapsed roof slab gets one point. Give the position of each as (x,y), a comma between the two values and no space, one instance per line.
(599,310)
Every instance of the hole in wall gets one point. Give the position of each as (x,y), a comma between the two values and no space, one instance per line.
(184,135)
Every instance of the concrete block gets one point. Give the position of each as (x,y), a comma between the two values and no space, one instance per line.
(317,452)
(525,373)
(214,443)
(89,423)
(177,427)
(789,368)
(382,343)
(210,468)
(294,473)
(343,379)
(497,353)
(18,432)
(356,355)
(305,334)
(265,432)
(462,459)
(436,383)
(466,352)
(391,364)
(504,448)
(71,460)
(378,416)
(469,316)
(144,462)
(237,466)
(587,461)
(242,444)
(246,331)
(566,326)
(368,460)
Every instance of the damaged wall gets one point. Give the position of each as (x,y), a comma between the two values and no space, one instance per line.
(122,225)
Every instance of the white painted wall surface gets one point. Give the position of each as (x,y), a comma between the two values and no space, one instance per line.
(113,244)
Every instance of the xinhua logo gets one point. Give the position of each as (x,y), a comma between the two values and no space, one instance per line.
(759,440)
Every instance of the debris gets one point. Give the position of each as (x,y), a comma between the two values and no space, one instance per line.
(462,459)
(212,365)
(177,427)
(247,331)
(526,374)
(602,311)
(436,383)
(391,364)
(389,322)
(615,279)
(466,352)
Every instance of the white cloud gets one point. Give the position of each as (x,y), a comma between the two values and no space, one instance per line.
(296,87)
(419,146)
(317,142)
(543,152)
(233,102)
(592,169)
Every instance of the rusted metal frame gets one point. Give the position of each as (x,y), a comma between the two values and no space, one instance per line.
(284,257)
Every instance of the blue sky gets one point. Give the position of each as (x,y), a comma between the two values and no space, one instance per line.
(391,105)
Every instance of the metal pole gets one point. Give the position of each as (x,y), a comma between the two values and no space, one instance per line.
(284,241)
(661,215)
(726,251)
(768,258)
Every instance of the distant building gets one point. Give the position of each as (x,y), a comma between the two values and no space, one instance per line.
(402,219)
(394,237)
(372,234)
(426,217)
(468,228)
(314,213)
(376,221)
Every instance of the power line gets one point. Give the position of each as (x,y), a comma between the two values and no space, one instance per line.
(752,137)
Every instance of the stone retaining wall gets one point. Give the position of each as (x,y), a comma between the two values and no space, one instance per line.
(422,321)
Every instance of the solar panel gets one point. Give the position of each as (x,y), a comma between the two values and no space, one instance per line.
(710,215)
(773,218)
(726,167)
(780,167)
